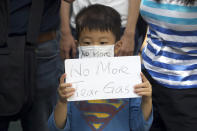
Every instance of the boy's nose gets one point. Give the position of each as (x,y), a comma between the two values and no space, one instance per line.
(96,43)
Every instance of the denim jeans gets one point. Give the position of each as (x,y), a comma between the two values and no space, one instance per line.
(49,69)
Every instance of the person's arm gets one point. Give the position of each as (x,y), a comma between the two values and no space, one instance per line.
(141,108)
(67,41)
(145,90)
(146,107)
(52,123)
(136,119)
(60,112)
(128,38)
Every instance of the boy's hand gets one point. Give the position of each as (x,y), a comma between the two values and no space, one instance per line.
(63,91)
(144,89)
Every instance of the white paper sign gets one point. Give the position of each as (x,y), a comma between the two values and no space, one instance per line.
(103,78)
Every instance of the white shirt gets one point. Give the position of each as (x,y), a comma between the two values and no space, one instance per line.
(120,5)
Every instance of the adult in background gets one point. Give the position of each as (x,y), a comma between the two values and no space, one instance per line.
(47,54)
(132,38)
(170,59)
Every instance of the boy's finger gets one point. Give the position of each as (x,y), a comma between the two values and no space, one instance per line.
(65,85)
(144,79)
(142,90)
(66,91)
(141,85)
(69,94)
(144,94)
(70,90)
(62,78)
(66,96)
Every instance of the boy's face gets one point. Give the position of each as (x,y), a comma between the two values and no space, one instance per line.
(96,43)
(96,37)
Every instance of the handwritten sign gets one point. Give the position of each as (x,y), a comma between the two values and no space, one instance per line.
(103,78)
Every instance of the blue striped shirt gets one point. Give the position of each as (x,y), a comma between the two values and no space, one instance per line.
(171,52)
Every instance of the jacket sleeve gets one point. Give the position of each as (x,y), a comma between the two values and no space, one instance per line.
(51,122)
(137,122)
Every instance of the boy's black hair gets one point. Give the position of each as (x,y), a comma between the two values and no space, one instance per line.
(98,17)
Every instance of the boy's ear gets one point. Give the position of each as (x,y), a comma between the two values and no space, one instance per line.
(117,47)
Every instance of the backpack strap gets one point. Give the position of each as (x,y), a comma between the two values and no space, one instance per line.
(35,21)
(4,14)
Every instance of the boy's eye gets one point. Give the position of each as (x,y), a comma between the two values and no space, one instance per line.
(102,43)
(87,42)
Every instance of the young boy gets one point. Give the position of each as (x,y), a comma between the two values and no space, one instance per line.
(98,28)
